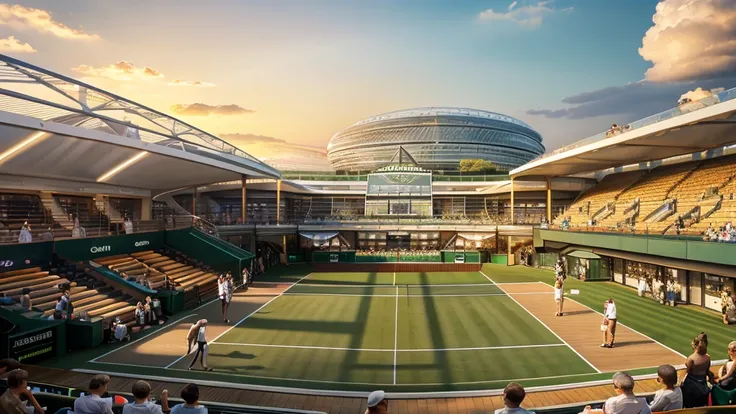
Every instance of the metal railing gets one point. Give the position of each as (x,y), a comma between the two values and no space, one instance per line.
(650,120)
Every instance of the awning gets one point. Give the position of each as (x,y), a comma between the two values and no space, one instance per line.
(476,236)
(582,254)
(320,236)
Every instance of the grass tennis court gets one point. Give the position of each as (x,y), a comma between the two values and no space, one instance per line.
(395,329)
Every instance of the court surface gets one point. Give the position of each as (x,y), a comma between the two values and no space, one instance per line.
(403,332)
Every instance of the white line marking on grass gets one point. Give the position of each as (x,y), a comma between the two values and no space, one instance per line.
(450,295)
(386,286)
(239,322)
(396,329)
(394,278)
(395,350)
(548,328)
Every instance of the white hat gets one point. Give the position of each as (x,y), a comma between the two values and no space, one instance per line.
(375,398)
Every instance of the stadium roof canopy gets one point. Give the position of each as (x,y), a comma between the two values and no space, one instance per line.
(693,127)
(54,127)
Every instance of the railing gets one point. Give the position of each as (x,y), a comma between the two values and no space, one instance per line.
(363,178)
(650,120)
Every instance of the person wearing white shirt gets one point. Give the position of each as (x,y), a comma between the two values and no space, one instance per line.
(625,402)
(93,403)
(610,323)
(670,397)
(224,290)
(513,396)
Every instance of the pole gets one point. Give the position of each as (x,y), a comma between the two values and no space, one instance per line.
(549,200)
(243,200)
(278,202)
(512,201)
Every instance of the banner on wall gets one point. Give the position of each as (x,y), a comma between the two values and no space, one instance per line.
(20,256)
(33,346)
(95,247)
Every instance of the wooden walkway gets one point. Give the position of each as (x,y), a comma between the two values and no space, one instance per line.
(339,405)
(580,328)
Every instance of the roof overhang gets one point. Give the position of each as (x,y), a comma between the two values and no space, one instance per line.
(707,128)
(30,147)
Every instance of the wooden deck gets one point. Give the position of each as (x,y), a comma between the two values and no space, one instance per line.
(339,405)
(580,328)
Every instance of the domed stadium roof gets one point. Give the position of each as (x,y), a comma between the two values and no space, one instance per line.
(437,137)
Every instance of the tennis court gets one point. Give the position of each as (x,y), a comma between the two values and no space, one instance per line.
(403,330)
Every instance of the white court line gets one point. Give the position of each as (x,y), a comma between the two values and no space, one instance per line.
(386,286)
(543,324)
(239,322)
(394,278)
(452,295)
(396,330)
(628,327)
(327,348)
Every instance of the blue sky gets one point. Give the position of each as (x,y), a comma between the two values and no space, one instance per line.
(306,69)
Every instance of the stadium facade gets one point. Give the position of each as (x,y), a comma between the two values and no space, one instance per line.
(437,137)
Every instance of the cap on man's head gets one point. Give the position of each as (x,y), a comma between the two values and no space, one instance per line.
(375,398)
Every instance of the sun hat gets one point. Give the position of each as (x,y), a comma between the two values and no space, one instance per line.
(375,398)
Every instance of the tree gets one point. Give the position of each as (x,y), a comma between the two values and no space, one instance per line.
(476,165)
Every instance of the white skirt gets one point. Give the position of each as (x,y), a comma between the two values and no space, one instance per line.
(558,294)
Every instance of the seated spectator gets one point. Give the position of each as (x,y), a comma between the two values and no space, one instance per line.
(669,398)
(725,378)
(25,299)
(141,392)
(513,396)
(6,301)
(190,395)
(93,403)
(377,403)
(140,315)
(7,365)
(11,402)
(625,402)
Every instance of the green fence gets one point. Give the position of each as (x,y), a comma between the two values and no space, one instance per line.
(221,255)
(20,256)
(500,259)
(547,260)
(94,247)
(333,257)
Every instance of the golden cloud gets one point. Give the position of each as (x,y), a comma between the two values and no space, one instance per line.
(200,109)
(11,44)
(122,71)
(24,18)
(179,82)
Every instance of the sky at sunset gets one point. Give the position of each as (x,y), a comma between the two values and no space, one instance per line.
(301,70)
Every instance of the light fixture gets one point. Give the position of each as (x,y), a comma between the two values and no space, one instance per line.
(122,166)
(26,142)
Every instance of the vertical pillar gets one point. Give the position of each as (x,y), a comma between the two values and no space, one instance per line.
(512,200)
(194,202)
(549,199)
(285,257)
(146,207)
(243,200)
(278,201)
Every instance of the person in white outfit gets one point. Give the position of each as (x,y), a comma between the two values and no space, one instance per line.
(610,322)
(625,402)
(225,293)
(198,332)
(25,235)
(670,397)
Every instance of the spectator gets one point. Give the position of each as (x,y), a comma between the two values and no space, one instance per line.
(141,392)
(190,395)
(725,378)
(7,365)
(48,235)
(25,300)
(93,403)
(625,402)
(10,401)
(25,235)
(377,403)
(140,315)
(669,398)
(513,396)
(694,387)
(128,226)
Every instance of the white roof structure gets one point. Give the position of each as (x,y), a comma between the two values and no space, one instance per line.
(692,127)
(55,127)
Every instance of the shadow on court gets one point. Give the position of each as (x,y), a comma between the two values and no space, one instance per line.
(433,322)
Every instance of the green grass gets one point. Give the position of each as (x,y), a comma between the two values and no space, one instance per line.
(403,278)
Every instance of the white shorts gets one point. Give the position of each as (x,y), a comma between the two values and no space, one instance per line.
(558,294)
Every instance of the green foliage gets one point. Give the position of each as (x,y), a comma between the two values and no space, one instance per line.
(476,165)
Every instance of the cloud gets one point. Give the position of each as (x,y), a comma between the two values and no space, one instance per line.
(21,17)
(200,109)
(251,138)
(11,44)
(178,82)
(631,102)
(691,39)
(121,71)
(527,16)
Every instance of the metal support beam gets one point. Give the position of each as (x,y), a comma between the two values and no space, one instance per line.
(243,200)
(549,199)
(512,201)
(278,201)
(194,202)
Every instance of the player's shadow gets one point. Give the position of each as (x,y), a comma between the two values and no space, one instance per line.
(235,354)
(577,312)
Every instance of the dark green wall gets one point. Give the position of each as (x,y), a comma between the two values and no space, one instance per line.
(20,256)
(94,247)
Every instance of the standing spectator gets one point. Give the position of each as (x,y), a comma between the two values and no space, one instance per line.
(140,315)
(10,401)
(377,403)
(224,293)
(513,396)
(25,235)
(128,225)
(141,392)
(559,286)
(64,305)
(190,395)
(669,398)
(694,387)
(93,403)
(610,322)
(25,300)
(48,235)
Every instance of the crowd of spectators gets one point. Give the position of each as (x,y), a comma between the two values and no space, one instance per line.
(723,234)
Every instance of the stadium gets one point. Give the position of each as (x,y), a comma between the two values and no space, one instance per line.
(438,139)
(391,271)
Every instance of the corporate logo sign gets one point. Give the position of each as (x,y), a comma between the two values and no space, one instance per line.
(100,249)
(142,243)
(6,263)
